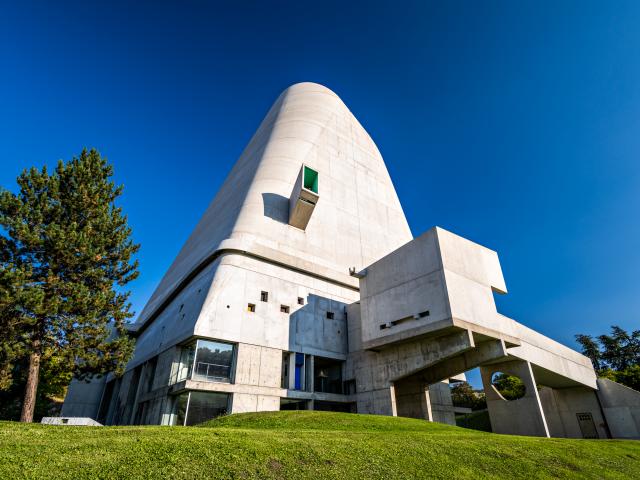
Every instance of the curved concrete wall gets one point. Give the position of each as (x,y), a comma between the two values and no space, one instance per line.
(357,220)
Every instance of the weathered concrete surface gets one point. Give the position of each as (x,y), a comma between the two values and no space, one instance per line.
(621,407)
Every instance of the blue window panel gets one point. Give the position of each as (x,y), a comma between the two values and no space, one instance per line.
(298,373)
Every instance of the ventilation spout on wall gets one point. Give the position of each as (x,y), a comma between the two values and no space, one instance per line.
(303,198)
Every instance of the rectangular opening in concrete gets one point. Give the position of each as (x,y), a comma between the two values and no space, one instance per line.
(327,374)
(285,370)
(284,309)
(191,408)
(310,179)
(264,296)
(205,361)
(294,374)
(105,402)
(213,361)
(324,406)
(299,370)
(251,307)
(330,315)
(300,301)
(293,404)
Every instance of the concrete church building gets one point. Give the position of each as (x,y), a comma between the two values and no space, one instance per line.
(302,287)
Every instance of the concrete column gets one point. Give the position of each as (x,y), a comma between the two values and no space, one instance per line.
(310,376)
(411,398)
(292,371)
(440,403)
(515,417)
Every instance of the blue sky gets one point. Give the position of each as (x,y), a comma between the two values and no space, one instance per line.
(514,124)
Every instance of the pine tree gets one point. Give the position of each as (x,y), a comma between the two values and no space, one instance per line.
(65,257)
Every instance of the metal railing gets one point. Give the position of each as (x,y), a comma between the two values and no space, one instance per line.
(212,372)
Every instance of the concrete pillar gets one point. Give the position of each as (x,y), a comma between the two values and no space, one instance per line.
(292,371)
(515,417)
(411,398)
(310,375)
(440,403)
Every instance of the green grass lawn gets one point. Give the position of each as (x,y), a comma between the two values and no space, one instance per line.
(304,445)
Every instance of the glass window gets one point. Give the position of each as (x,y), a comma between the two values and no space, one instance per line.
(205,360)
(299,372)
(185,364)
(213,361)
(327,375)
(180,408)
(192,408)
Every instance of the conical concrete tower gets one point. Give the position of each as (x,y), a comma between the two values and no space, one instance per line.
(266,269)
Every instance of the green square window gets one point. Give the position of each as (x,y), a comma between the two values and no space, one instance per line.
(310,179)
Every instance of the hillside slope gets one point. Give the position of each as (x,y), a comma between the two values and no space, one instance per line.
(304,445)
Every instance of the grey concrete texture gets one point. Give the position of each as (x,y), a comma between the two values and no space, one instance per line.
(621,407)
(71,421)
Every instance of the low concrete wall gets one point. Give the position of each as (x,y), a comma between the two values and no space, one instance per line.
(563,405)
(621,407)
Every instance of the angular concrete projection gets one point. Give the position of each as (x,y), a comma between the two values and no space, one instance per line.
(437,281)
(304,198)
(280,300)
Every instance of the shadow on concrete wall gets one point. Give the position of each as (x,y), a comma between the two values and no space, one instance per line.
(311,331)
(276,207)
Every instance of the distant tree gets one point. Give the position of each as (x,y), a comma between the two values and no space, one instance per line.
(65,256)
(509,386)
(591,349)
(615,356)
(463,395)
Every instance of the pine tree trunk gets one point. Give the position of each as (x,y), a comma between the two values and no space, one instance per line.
(29,404)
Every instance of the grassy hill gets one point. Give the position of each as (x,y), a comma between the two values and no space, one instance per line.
(304,445)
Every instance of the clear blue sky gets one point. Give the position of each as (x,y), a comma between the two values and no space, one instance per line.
(514,124)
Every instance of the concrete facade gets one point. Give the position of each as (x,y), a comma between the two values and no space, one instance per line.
(302,287)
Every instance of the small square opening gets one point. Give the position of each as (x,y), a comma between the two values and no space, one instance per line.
(300,301)
(264,296)
(284,308)
(310,179)
(330,315)
(251,307)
